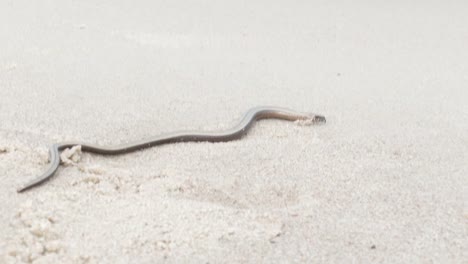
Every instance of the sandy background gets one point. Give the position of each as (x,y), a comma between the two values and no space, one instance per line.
(384,181)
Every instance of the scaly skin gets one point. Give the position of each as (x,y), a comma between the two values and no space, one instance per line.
(238,131)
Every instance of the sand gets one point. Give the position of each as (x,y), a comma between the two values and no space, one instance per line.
(385,180)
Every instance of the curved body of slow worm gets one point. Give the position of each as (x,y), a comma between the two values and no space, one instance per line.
(234,133)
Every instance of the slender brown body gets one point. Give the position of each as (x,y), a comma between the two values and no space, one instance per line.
(234,133)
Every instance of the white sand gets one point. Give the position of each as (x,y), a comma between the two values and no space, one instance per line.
(384,181)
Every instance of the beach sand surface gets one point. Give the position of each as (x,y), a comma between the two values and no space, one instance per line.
(385,180)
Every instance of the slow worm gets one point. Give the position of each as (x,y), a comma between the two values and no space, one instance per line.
(234,133)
